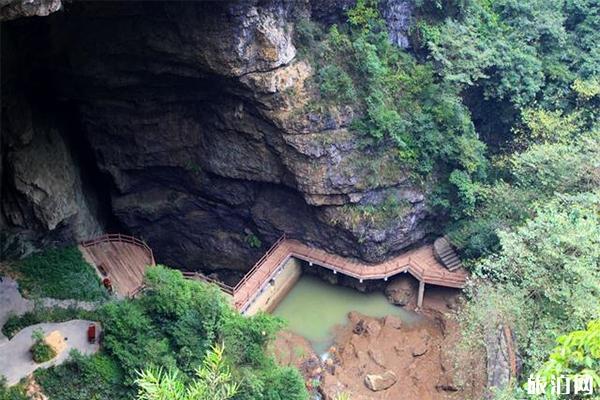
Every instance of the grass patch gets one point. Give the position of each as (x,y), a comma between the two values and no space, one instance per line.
(355,215)
(17,322)
(58,273)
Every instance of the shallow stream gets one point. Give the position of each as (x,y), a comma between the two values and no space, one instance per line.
(314,307)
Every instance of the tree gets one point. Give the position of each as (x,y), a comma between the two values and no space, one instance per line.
(577,353)
(213,381)
(546,277)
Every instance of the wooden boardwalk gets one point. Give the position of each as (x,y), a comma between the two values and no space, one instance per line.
(420,263)
(124,260)
(121,258)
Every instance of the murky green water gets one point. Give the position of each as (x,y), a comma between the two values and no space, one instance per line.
(313,307)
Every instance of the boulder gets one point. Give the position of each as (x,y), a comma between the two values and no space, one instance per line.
(401,291)
(393,322)
(13,9)
(378,382)
(364,326)
(421,345)
(502,363)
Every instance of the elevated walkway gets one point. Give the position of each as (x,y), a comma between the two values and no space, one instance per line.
(420,263)
(121,258)
(124,260)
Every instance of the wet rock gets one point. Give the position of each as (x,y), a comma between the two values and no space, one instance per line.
(421,345)
(13,9)
(364,326)
(393,322)
(401,291)
(377,356)
(373,328)
(501,357)
(398,16)
(378,382)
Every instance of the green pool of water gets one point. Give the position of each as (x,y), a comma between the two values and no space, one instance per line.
(314,307)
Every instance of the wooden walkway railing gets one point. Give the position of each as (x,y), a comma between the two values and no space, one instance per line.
(119,237)
(420,263)
(201,277)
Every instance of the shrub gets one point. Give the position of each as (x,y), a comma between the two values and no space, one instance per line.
(213,381)
(17,322)
(96,377)
(399,102)
(60,274)
(171,327)
(41,351)
(336,84)
(576,353)
(545,279)
(253,241)
(16,392)
(247,337)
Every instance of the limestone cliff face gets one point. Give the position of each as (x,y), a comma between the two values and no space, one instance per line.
(184,124)
(13,9)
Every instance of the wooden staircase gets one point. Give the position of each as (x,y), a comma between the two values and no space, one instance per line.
(445,254)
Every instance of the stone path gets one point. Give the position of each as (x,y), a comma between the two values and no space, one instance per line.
(12,303)
(15,358)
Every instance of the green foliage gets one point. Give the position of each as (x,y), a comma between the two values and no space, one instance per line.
(41,351)
(587,89)
(39,314)
(364,14)
(171,328)
(355,216)
(539,54)
(96,377)
(546,276)
(60,274)
(400,102)
(286,384)
(16,392)
(530,177)
(246,337)
(213,381)
(545,126)
(253,241)
(131,338)
(336,85)
(576,353)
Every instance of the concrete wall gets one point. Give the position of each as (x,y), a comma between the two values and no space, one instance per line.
(273,293)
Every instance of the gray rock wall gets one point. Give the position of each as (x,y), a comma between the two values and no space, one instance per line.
(193,117)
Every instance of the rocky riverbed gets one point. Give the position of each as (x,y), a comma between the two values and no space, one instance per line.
(386,358)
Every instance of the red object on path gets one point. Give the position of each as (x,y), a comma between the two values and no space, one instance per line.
(107,284)
(91,333)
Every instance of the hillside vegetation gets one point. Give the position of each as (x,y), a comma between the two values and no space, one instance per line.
(495,106)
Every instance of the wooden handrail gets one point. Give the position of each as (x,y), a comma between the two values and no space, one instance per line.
(119,237)
(260,262)
(224,287)
(291,248)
